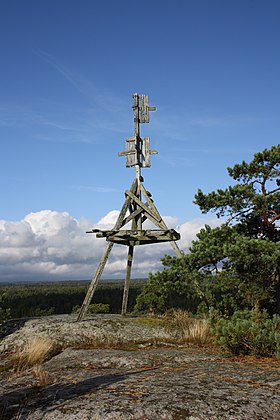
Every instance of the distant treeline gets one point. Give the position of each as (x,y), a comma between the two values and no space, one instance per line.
(47,298)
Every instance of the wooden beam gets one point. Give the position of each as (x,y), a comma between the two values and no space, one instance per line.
(139,237)
(143,206)
(94,281)
(131,216)
(127,280)
(162,223)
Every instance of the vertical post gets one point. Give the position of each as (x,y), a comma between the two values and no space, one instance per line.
(127,279)
(138,147)
(137,135)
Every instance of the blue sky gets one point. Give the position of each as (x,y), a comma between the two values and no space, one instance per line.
(69,69)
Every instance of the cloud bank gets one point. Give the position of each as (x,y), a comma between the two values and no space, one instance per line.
(51,245)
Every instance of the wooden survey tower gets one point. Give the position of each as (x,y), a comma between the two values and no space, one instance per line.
(137,208)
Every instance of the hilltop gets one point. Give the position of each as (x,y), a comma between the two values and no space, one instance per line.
(111,367)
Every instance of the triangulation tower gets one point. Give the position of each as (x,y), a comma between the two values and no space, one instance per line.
(137,208)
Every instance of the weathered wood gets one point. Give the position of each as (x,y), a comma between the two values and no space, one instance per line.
(102,263)
(143,206)
(94,281)
(127,280)
(144,109)
(139,237)
(136,113)
(132,216)
(162,223)
(137,153)
(130,152)
(146,162)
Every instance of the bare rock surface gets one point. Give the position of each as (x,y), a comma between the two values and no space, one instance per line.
(64,331)
(132,382)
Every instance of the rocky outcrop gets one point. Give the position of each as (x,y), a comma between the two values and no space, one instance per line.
(145,381)
(65,332)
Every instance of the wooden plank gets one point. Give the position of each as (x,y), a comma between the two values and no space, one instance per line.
(143,206)
(146,107)
(162,223)
(127,279)
(146,162)
(150,202)
(136,113)
(130,152)
(142,108)
(131,216)
(135,232)
(140,236)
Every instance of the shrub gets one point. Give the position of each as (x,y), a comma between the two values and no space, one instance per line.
(94,308)
(250,333)
(43,312)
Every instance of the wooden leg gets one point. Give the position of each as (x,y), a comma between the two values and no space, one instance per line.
(127,279)
(105,256)
(94,281)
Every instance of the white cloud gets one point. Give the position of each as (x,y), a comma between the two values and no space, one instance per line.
(188,231)
(110,219)
(54,245)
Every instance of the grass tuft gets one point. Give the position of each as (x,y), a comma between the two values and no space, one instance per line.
(199,332)
(192,330)
(35,352)
(43,378)
(99,342)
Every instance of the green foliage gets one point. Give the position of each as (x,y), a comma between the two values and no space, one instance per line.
(234,266)
(172,288)
(93,308)
(76,309)
(208,251)
(250,333)
(256,262)
(225,270)
(43,312)
(255,201)
(244,268)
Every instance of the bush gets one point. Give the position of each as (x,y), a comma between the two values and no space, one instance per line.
(94,308)
(250,333)
(42,312)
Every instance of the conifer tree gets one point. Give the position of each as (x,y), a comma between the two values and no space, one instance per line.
(236,265)
(254,202)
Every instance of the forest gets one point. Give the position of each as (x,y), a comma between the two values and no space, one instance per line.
(49,298)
